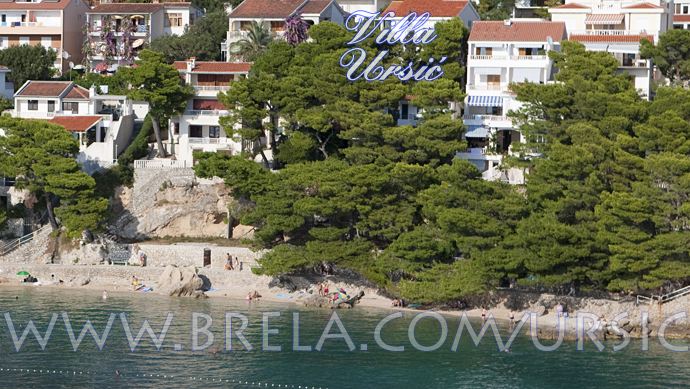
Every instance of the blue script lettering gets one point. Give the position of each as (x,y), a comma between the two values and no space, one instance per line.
(409,29)
(354,58)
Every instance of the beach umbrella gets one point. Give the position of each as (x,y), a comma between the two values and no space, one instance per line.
(23,273)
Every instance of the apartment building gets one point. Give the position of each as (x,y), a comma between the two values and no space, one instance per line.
(617,26)
(273,13)
(102,124)
(502,53)
(198,128)
(54,24)
(117,31)
(681,14)
(439,10)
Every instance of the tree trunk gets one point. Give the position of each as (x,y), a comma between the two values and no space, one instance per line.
(157,131)
(51,213)
(263,156)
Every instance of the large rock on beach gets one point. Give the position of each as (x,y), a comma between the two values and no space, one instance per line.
(180,281)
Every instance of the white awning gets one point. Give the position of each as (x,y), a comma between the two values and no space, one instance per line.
(485,101)
(598,19)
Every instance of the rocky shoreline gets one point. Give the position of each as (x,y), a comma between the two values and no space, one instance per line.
(610,317)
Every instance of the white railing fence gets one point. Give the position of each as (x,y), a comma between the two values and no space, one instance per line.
(16,243)
(160,164)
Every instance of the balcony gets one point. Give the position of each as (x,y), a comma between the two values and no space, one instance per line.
(606,32)
(488,86)
(212,88)
(29,28)
(210,141)
(488,57)
(479,154)
(193,112)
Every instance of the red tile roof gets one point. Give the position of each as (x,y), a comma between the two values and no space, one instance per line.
(44,5)
(643,6)
(274,9)
(44,88)
(78,92)
(681,18)
(126,8)
(610,38)
(76,123)
(215,67)
(436,8)
(573,6)
(517,31)
(315,6)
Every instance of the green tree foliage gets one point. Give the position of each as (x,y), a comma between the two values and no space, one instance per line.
(671,54)
(202,40)
(605,205)
(495,9)
(42,158)
(159,85)
(28,62)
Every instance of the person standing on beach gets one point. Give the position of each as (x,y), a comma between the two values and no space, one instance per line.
(483,314)
(512,319)
(237,263)
(228,262)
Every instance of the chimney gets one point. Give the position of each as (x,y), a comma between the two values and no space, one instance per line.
(191,64)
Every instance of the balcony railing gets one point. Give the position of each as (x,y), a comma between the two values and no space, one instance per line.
(606,32)
(210,112)
(487,117)
(489,57)
(528,57)
(211,87)
(26,24)
(491,86)
(210,141)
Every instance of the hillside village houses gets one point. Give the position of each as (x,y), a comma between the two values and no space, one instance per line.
(55,24)
(617,26)
(103,124)
(198,128)
(273,13)
(502,53)
(117,31)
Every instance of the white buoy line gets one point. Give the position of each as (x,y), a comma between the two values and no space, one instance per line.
(164,376)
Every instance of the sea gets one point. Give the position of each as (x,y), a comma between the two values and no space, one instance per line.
(45,342)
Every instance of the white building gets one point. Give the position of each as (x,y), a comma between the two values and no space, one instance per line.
(439,10)
(273,13)
(117,31)
(350,6)
(617,26)
(198,128)
(681,14)
(53,24)
(501,53)
(103,124)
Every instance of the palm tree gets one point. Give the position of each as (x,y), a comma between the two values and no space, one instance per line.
(249,48)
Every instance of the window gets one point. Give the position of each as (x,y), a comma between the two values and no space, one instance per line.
(245,26)
(195,132)
(3,19)
(277,26)
(686,9)
(33,105)
(405,111)
(174,20)
(493,79)
(47,42)
(214,132)
(24,40)
(71,107)
(51,105)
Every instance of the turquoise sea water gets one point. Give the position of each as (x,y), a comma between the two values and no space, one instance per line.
(335,366)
